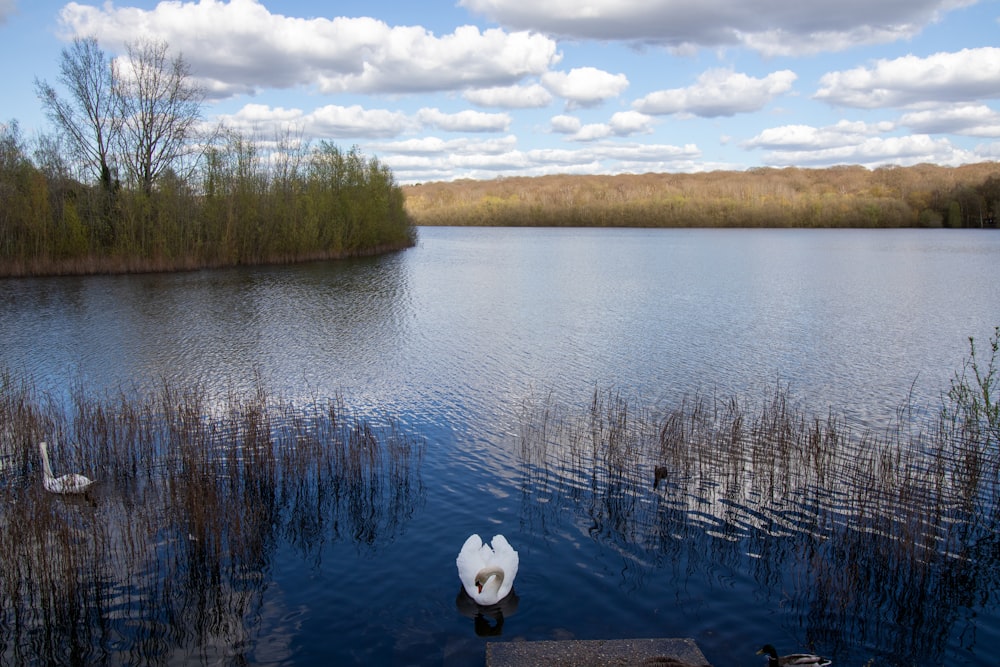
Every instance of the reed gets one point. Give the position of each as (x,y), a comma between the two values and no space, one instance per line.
(851,526)
(168,558)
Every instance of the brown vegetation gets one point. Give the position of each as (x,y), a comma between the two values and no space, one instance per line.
(844,196)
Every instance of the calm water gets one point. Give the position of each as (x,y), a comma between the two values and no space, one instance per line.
(466,337)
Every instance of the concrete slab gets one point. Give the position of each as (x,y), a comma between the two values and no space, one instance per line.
(596,653)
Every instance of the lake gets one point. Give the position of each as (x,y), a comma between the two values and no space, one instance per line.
(507,354)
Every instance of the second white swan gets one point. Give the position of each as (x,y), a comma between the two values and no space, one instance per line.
(487,573)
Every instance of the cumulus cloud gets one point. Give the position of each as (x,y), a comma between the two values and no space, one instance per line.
(903,151)
(585,86)
(605,157)
(773,28)
(510,97)
(592,132)
(989,151)
(240,45)
(355,122)
(809,138)
(436,145)
(624,123)
(464,121)
(961,76)
(621,124)
(331,121)
(853,143)
(718,92)
(973,120)
(563,124)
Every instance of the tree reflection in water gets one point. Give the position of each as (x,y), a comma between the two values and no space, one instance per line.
(876,539)
(170,557)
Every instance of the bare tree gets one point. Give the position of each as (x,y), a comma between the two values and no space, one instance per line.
(89,115)
(159,106)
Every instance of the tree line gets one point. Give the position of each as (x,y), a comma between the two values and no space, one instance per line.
(843,196)
(132,179)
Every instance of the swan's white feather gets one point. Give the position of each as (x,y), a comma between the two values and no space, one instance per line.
(71,483)
(475,556)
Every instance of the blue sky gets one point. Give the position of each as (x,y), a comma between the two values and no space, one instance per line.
(490,88)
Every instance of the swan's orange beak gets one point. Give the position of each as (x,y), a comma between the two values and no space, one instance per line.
(479,586)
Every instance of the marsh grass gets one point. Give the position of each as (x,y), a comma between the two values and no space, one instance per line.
(864,531)
(170,554)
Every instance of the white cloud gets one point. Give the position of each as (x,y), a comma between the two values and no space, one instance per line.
(563,124)
(625,123)
(904,151)
(329,121)
(240,46)
(436,145)
(769,26)
(608,151)
(853,143)
(592,132)
(648,152)
(962,76)
(809,138)
(510,97)
(989,151)
(622,124)
(595,158)
(355,122)
(585,86)
(465,121)
(974,120)
(718,92)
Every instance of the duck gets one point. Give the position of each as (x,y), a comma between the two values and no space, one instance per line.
(487,571)
(793,659)
(67,484)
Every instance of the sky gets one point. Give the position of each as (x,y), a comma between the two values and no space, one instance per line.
(492,88)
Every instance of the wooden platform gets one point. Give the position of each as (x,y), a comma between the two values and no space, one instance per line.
(596,653)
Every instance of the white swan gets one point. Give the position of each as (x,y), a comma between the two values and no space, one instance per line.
(71,483)
(487,573)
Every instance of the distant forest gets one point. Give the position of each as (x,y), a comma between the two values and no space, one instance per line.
(845,196)
(131,179)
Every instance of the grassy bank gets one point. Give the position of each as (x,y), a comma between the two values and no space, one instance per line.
(919,196)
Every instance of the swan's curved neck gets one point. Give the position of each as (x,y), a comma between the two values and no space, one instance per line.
(46,468)
(485,574)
